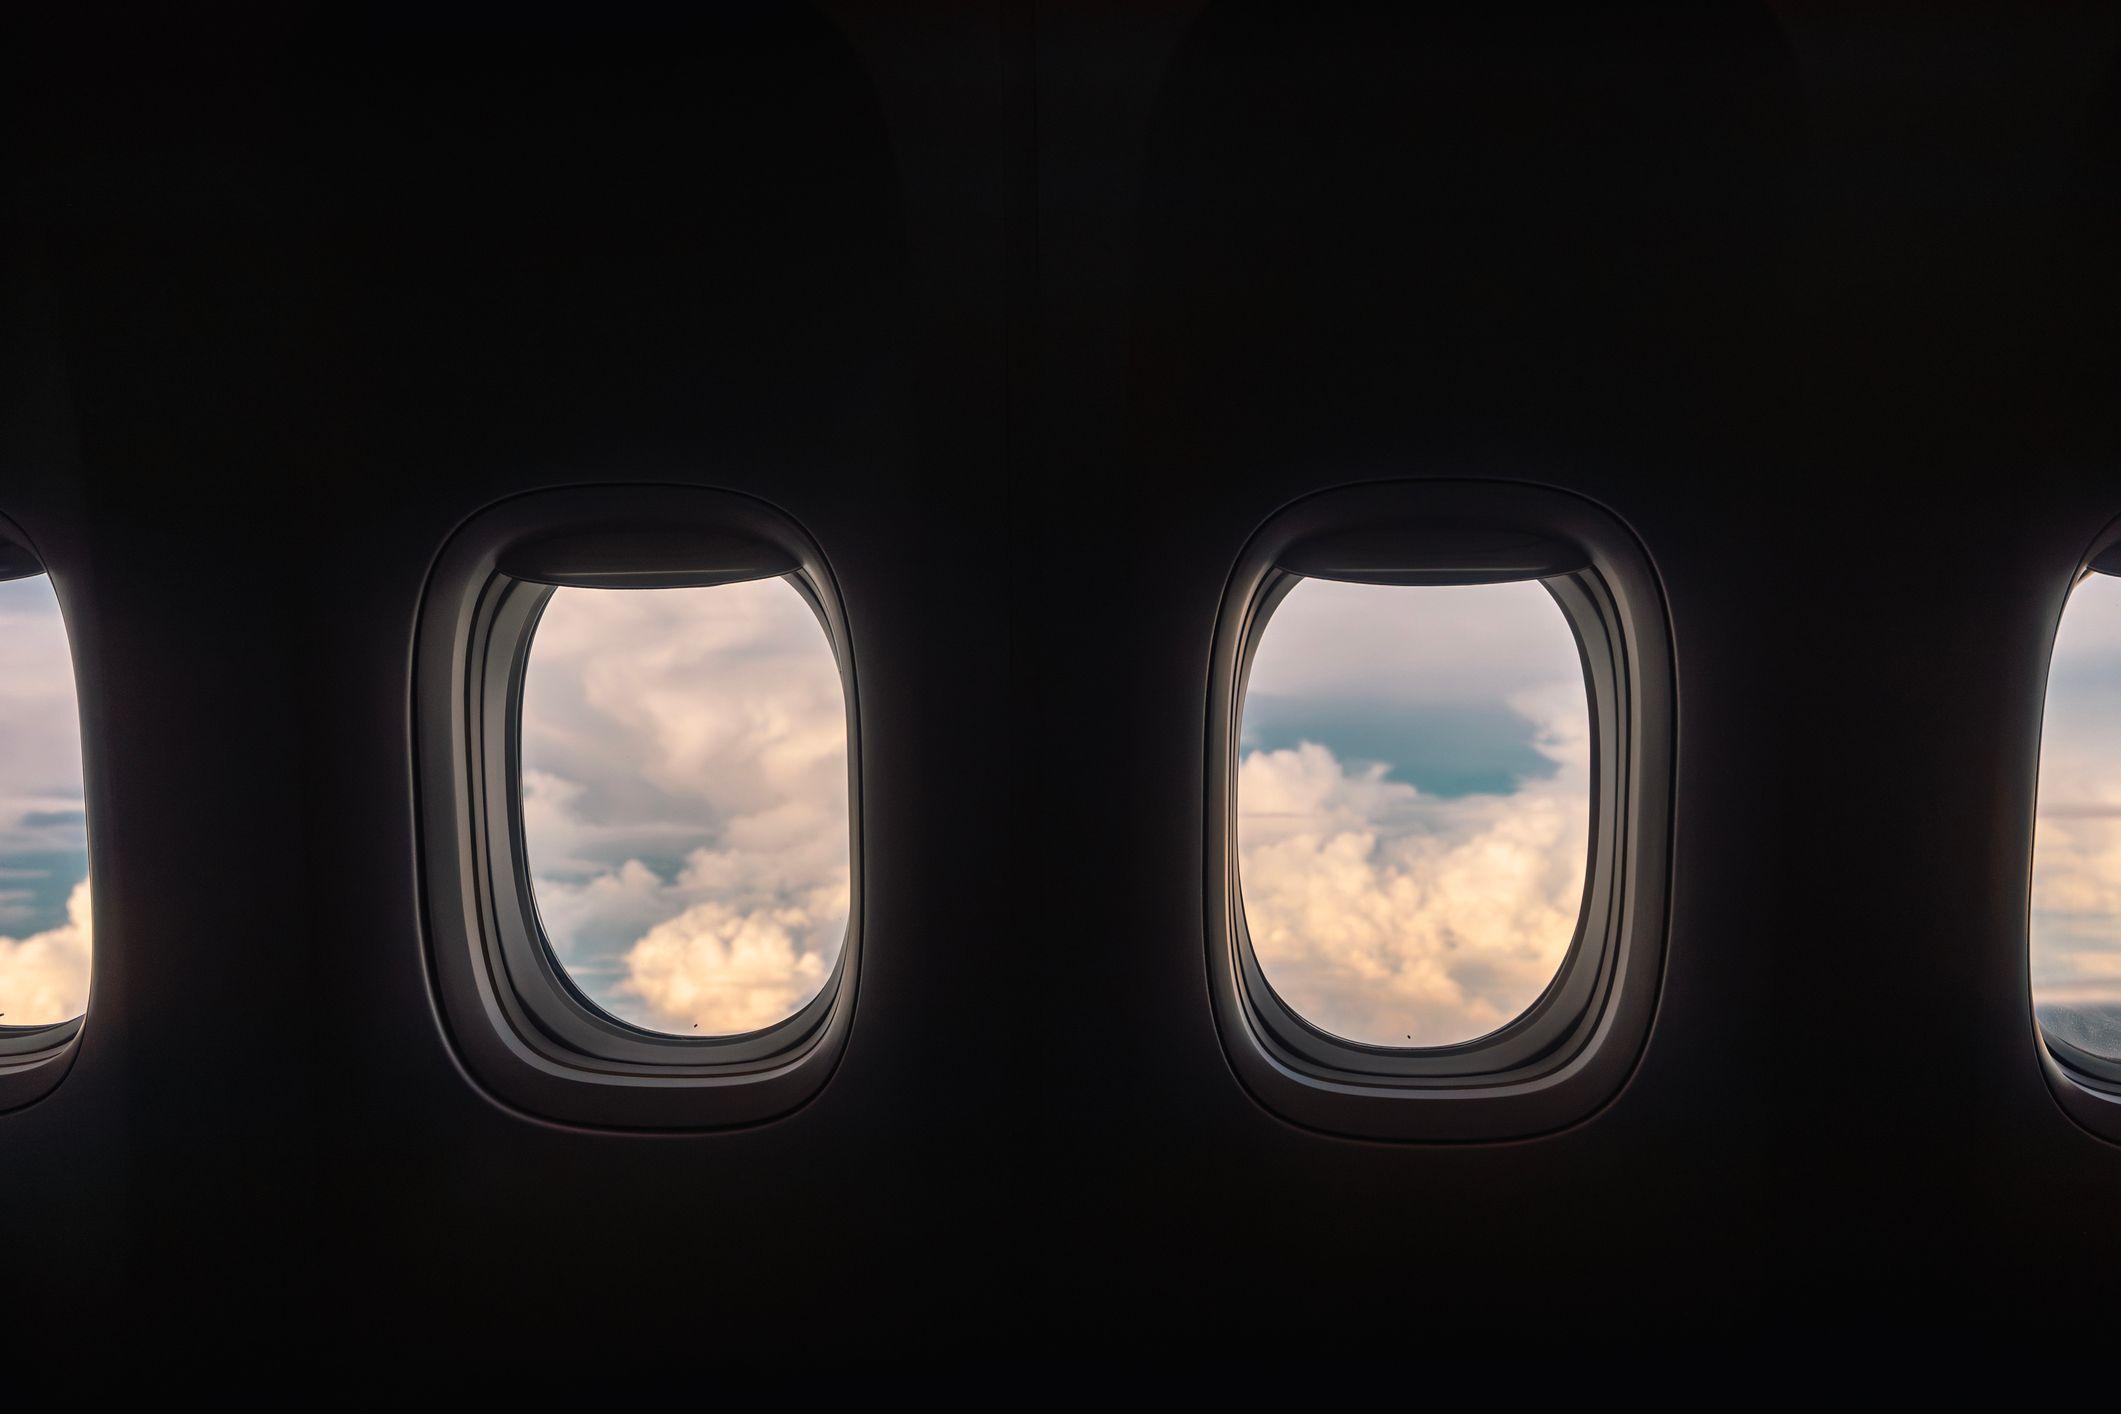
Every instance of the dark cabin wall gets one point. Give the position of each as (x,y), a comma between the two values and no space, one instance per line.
(1380,242)
(1031,314)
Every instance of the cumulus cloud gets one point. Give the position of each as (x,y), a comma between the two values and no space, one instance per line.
(1386,915)
(44,977)
(685,801)
(731,970)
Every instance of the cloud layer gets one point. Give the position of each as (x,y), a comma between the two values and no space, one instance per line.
(44,924)
(1387,916)
(2076,915)
(685,801)
(1391,915)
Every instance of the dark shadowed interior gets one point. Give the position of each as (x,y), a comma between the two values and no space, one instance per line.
(1031,314)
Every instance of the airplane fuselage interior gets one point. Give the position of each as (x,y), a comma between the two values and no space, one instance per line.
(1238,682)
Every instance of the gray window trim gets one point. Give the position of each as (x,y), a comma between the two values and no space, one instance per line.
(2085,1085)
(34,1059)
(1574,1048)
(523,1030)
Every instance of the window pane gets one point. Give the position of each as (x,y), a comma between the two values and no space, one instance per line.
(2076,920)
(44,922)
(1413,806)
(684,775)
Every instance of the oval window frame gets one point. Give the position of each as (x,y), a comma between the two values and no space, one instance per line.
(520,1026)
(1571,1052)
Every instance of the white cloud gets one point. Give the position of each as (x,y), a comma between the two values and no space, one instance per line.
(1385,915)
(685,801)
(44,977)
(729,970)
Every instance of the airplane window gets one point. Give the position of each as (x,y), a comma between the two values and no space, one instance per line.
(2076,901)
(44,908)
(1439,793)
(1413,806)
(639,732)
(685,802)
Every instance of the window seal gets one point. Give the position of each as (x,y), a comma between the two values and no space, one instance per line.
(521,1026)
(1570,1052)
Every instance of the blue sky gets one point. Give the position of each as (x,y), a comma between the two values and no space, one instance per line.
(1446,749)
(1418,679)
(45,932)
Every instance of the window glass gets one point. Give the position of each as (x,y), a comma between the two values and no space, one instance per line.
(2076,915)
(44,913)
(684,779)
(1413,806)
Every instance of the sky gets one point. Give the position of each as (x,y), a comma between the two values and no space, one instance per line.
(2076,913)
(1413,806)
(45,928)
(684,767)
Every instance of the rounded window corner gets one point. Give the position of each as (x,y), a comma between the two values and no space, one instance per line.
(2073,967)
(2093,1106)
(34,1059)
(527,1026)
(1558,1056)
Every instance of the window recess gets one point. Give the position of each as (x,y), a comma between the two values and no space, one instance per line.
(2073,935)
(46,928)
(1439,807)
(639,767)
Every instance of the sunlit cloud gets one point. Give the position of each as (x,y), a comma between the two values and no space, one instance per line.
(1384,915)
(44,977)
(732,971)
